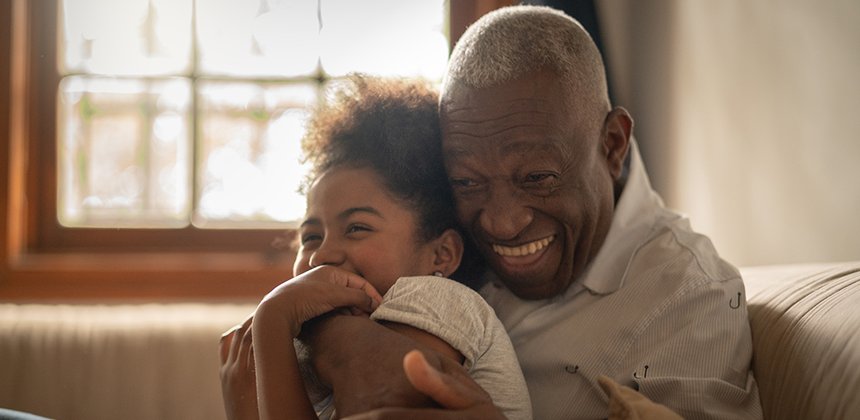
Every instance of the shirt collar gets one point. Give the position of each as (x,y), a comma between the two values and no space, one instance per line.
(635,213)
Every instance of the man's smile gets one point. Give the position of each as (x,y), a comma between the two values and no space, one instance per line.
(524,250)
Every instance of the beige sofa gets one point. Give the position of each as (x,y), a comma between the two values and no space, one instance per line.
(806,336)
(159,361)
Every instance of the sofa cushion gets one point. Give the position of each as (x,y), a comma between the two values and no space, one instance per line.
(806,332)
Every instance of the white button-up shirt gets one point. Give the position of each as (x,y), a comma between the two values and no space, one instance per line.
(657,310)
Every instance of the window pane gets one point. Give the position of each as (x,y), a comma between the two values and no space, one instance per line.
(253,67)
(249,167)
(129,37)
(124,152)
(258,38)
(384,37)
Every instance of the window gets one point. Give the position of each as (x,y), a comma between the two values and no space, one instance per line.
(189,112)
(138,178)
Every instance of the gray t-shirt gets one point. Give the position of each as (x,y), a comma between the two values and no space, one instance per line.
(459,316)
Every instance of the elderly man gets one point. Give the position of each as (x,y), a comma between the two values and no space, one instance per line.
(592,275)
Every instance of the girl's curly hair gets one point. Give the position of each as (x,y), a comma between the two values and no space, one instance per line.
(390,125)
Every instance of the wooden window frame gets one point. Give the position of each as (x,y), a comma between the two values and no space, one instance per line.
(42,260)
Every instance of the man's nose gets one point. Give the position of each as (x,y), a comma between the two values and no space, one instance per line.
(327,254)
(504,214)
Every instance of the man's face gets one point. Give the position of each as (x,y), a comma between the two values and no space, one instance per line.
(532,177)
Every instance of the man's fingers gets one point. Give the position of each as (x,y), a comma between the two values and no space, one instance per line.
(460,397)
(452,389)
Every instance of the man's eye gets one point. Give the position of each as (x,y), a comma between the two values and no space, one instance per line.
(540,183)
(540,178)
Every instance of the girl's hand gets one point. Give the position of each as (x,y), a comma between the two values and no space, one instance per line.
(315,292)
(238,379)
(278,320)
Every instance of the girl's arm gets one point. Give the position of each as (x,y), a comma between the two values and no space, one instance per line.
(278,320)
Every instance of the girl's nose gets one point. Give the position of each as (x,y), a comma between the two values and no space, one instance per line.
(327,254)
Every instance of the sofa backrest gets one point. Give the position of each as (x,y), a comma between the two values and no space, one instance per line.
(134,361)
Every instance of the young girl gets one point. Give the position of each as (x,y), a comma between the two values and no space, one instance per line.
(380,221)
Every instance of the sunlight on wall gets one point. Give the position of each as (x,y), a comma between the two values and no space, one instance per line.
(750,115)
(772,175)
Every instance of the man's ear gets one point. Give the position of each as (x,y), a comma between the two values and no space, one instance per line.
(617,128)
(448,252)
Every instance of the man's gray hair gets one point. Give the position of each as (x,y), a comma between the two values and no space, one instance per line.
(512,41)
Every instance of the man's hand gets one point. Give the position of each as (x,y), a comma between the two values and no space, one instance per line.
(238,379)
(448,384)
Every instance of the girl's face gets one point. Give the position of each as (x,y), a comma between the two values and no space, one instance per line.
(353,223)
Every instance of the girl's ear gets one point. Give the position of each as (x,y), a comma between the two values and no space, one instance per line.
(448,250)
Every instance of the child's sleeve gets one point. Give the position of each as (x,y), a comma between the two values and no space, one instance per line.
(461,317)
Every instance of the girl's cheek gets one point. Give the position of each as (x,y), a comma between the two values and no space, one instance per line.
(302,264)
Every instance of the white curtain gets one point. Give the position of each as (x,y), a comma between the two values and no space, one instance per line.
(748,113)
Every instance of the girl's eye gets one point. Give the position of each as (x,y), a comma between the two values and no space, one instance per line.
(311,237)
(464,186)
(462,182)
(357,228)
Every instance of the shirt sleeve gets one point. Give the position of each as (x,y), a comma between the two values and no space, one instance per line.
(459,316)
(442,307)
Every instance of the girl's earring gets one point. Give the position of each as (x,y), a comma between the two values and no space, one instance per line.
(438,274)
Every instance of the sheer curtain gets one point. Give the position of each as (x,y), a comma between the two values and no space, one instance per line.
(748,113)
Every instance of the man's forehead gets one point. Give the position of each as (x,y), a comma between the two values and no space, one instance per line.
(465,106)
(499,126)
(488,116)
(465,148)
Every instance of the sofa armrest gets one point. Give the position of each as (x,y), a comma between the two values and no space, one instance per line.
(806,338)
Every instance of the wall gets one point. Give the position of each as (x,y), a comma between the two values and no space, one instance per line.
(747,113)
